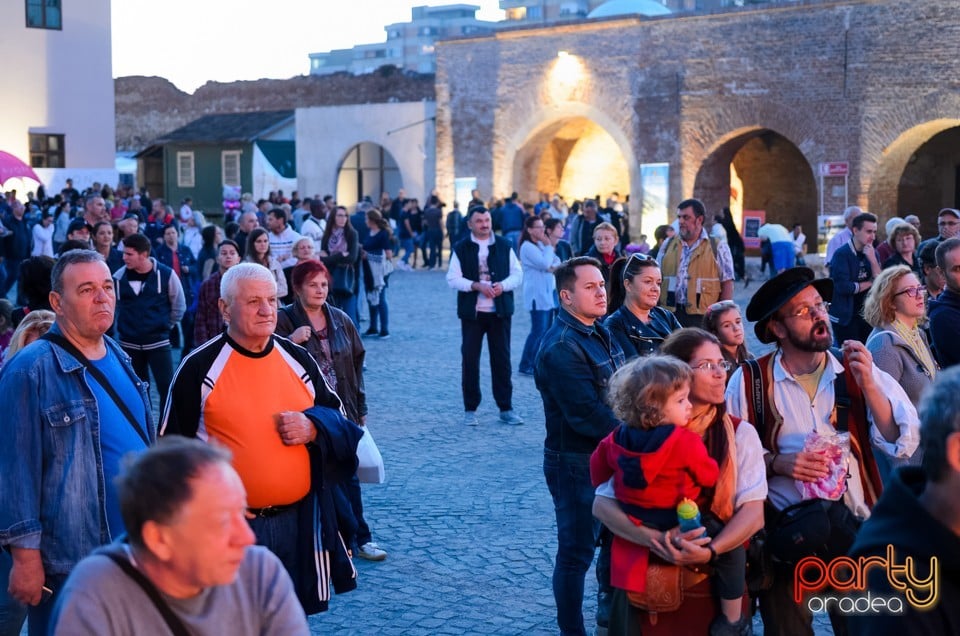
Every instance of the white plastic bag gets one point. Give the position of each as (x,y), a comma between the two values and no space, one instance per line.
(370,468)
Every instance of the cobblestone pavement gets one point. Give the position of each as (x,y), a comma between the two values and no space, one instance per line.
(464,514)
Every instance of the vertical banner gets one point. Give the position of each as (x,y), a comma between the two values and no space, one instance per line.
(655,186)
(752,220)
(461,191)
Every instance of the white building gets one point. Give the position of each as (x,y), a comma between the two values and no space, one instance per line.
(409,45)
(58,109)
(361,150)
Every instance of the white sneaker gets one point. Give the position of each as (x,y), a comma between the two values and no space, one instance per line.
(511,418)
(470,418)
(370,551)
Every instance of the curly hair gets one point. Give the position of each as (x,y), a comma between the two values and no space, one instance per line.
(640,389)
(879,308)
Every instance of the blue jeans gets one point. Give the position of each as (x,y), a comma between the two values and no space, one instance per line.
(279,535)
(12,612)
(381,312)
(347,303)
(540,321)
(408,249)
(568,478)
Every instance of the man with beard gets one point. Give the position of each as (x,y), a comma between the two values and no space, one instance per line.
(800,388)
(697,270)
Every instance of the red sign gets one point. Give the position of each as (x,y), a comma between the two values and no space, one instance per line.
(835,169)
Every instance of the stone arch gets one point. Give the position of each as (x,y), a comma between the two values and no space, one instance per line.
(538,150)
(918,172)
(366,169)
(758,168)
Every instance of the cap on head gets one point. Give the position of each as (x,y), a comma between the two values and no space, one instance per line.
(777,292)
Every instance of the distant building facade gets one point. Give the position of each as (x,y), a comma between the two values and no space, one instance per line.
(58,115)
(409,46)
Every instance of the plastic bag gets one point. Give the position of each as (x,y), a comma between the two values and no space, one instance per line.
(370,461)
(836,448)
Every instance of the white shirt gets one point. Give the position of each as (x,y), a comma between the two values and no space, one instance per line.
(314,229)
(456,280)
(800,417)
(800,243)
(839,239)
(42,240)
(775,232)
(281,245)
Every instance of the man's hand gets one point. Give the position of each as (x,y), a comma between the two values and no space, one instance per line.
(497,289)
(860,363)
(484,288)
(26,576)
(295,428)
(870,253)
(802,466)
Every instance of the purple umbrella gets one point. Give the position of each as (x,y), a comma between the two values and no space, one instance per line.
(13,168)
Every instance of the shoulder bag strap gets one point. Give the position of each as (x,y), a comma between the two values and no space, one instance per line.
(101,379)
(753,386)
(840,394)
(177,628)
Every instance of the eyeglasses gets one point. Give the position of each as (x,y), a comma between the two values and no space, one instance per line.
(913,292)
(713,367)
(807,310)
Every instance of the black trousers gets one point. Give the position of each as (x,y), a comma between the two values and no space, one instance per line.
(497,331)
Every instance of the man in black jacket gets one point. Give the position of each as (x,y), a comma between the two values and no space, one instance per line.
(576,359)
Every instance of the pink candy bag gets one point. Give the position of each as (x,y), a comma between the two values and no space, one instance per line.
(836,448)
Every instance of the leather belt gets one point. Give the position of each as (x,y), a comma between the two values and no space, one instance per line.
(270,511)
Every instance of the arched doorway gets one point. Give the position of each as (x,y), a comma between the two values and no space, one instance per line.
(574,157)
(366,170)
(760,169)
(919,173)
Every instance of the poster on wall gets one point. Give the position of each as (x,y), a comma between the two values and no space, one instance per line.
(462,188)
(655,187)
(751,222)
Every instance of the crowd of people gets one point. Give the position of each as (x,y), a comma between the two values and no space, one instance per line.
(704,474)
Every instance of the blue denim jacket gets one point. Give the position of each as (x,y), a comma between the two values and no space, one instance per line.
(573,368)
(52,489)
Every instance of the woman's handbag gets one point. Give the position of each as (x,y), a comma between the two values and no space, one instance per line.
(370,461)
(343,278)
(665,587)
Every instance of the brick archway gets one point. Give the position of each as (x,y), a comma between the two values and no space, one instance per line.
(758,168)
(917,173)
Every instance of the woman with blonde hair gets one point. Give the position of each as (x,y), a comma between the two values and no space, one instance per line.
(895,307)
(33,325)
(905,240)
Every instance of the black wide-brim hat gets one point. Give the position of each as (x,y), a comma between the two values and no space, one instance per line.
(777,292)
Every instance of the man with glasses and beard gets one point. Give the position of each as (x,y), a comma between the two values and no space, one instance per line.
(804,387)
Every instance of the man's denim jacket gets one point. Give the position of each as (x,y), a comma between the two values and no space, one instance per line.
(51,467)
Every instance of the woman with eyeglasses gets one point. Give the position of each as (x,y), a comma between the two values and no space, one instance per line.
(736,501)
(895,307)
(538,259)
(637,324)
(723,320)
(904,239)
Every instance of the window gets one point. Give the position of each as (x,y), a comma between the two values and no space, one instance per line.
(46,151)
(44,14)
(230,167)
(517,13)
(534,13)
(185,178)
(427,49)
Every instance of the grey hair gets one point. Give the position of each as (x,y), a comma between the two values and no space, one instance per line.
(72,257)
(850,213)
(939,418)
(244,271)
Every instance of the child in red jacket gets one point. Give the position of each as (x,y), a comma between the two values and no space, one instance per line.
(655,462)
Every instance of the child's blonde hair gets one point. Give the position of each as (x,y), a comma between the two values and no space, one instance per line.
(640,389)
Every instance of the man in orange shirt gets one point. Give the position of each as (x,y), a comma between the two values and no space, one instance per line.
(264,398)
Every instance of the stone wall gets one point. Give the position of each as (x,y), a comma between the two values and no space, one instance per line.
(148,107)
(859,81)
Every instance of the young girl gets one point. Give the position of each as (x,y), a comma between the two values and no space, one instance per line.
(723,320)
(655,463)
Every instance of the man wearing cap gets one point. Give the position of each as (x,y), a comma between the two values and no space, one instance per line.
(800,388)
(78,230)
(948,224)
(697,270)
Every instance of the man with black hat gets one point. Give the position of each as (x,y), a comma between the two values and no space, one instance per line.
(800,388)
(78,230)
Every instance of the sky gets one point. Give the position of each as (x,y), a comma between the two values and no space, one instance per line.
(192,41)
